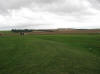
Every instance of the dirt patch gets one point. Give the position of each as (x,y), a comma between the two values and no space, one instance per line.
(1,34)
(68,32)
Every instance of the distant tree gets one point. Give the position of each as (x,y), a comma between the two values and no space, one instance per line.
(20,30)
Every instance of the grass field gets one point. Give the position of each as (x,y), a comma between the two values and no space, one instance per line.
(50,54)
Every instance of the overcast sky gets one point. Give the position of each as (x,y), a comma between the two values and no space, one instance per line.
(46,14)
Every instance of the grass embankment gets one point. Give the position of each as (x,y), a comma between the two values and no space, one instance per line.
(50,54)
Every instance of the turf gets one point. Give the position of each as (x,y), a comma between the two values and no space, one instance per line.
(50,54)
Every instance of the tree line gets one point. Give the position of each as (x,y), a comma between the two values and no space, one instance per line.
(20,30)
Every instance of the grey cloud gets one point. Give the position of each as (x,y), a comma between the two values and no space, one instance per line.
(46,1)
(73,7)
(70,7)
(95,3)
(13,4)
(6,5)
(59,6)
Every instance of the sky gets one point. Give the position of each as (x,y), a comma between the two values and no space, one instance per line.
(49,14)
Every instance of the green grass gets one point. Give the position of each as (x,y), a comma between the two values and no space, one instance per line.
(5,32)
(50,54)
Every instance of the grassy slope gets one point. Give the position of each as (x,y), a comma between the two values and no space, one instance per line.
(50,54)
